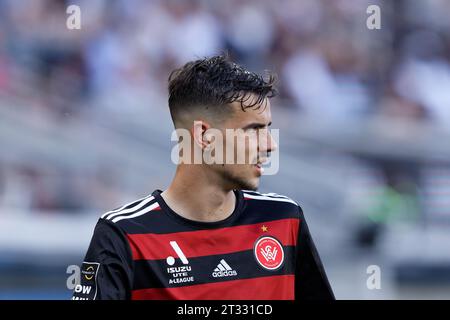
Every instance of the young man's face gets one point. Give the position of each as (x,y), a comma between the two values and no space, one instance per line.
(251,129)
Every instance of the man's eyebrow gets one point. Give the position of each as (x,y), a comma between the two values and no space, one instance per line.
(257,125)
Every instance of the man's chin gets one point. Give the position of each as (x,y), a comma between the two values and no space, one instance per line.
(240,183)
(249,185)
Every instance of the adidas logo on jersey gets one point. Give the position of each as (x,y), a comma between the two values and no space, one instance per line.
(223,270)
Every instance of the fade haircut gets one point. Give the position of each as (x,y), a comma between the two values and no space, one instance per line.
(212,84)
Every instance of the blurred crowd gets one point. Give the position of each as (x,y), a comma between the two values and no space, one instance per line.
(321,50)
(329,64)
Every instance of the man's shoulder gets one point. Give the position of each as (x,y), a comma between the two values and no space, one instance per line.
(131,212)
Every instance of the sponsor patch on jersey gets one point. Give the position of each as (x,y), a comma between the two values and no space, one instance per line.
(269,253)
(87,288)
(179,274)
(223,269)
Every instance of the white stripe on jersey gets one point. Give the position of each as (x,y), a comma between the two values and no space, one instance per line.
(137,214)
(264,197)
(124,206)
(270,194)
(135,208)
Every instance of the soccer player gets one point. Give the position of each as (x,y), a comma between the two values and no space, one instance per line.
(209,235)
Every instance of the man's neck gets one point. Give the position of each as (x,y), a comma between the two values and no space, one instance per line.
(195,196)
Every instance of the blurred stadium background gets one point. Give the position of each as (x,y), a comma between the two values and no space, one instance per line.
(363,115)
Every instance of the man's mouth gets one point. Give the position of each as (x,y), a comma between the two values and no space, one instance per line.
(259,169)
(259,165)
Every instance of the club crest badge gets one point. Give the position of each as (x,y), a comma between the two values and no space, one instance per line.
(269,253)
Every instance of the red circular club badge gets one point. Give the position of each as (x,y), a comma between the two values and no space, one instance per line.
(269,252)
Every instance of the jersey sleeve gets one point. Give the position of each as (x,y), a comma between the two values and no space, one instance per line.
(107,270)
(311,282)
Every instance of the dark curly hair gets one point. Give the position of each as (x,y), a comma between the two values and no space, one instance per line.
(215,82)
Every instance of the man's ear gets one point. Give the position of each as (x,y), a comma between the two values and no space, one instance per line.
(199,134)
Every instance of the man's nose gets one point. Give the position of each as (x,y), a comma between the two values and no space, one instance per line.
(268,143)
